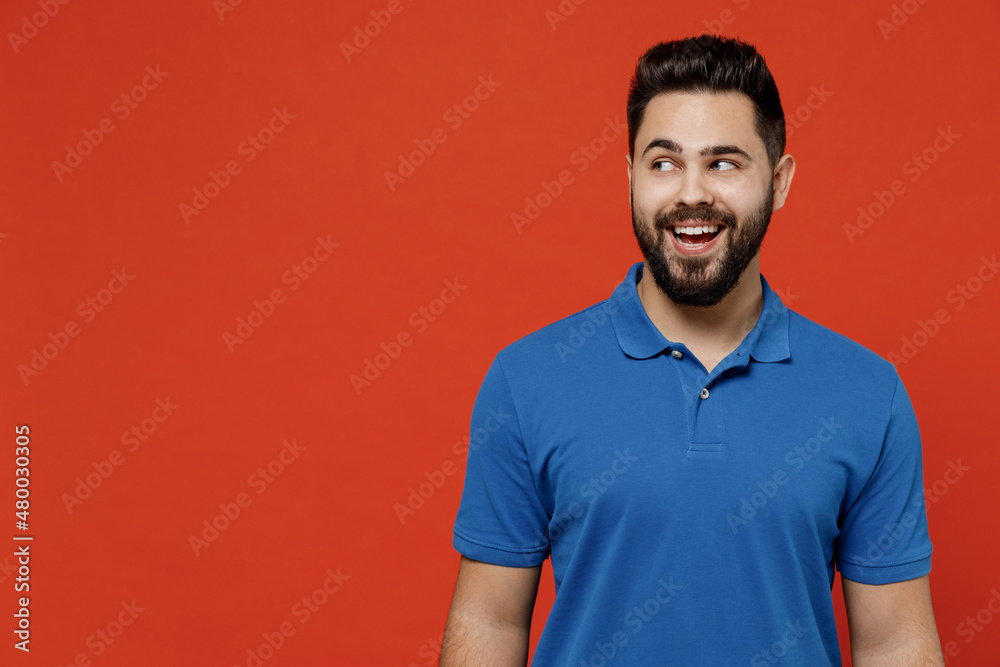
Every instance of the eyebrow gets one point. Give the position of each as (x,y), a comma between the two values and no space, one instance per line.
(674,147)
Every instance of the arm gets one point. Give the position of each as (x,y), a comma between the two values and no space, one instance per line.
(490,616)
(892,624)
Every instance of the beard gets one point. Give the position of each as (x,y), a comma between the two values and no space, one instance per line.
(701,280)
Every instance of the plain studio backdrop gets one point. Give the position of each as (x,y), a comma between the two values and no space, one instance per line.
(257,258)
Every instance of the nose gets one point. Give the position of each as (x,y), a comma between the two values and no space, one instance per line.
(694,190)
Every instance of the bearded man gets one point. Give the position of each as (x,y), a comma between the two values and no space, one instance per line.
(696,458)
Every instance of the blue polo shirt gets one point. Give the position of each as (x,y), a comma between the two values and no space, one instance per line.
(693,518)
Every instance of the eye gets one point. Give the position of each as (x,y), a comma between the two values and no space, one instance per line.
(666,165)
(732,164)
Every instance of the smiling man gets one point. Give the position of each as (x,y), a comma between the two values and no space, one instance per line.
(697,459)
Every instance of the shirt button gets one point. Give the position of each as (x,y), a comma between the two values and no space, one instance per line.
(677,353)
(704,393)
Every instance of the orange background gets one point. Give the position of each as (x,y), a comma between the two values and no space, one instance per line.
(334,505)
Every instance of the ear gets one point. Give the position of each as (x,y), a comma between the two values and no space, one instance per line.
(782,181)
(628,160)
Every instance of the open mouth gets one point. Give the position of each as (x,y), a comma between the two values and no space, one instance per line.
(694,236)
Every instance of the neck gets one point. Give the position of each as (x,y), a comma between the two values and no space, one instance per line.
(722,326)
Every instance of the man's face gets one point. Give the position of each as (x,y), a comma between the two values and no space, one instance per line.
(699,161)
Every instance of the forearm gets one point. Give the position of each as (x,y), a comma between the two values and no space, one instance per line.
(471,640)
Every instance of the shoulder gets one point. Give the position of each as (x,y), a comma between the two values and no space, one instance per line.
(585,333)
(831,354)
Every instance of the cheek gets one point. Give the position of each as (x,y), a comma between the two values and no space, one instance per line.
(735,201)
(742,196)
(650,198)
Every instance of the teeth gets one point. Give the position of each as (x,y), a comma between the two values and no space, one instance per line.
(701,229)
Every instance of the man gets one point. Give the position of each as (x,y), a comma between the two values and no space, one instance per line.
(695,457)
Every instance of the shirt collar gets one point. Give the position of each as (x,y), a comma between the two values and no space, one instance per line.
(639,338)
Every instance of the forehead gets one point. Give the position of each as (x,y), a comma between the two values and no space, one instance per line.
(696,120)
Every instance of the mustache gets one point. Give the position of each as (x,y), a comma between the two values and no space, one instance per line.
(706,213)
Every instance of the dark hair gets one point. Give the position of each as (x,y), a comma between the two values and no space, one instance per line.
(709,63)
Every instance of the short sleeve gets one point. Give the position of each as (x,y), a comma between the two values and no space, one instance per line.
(501,519)
(883,537)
